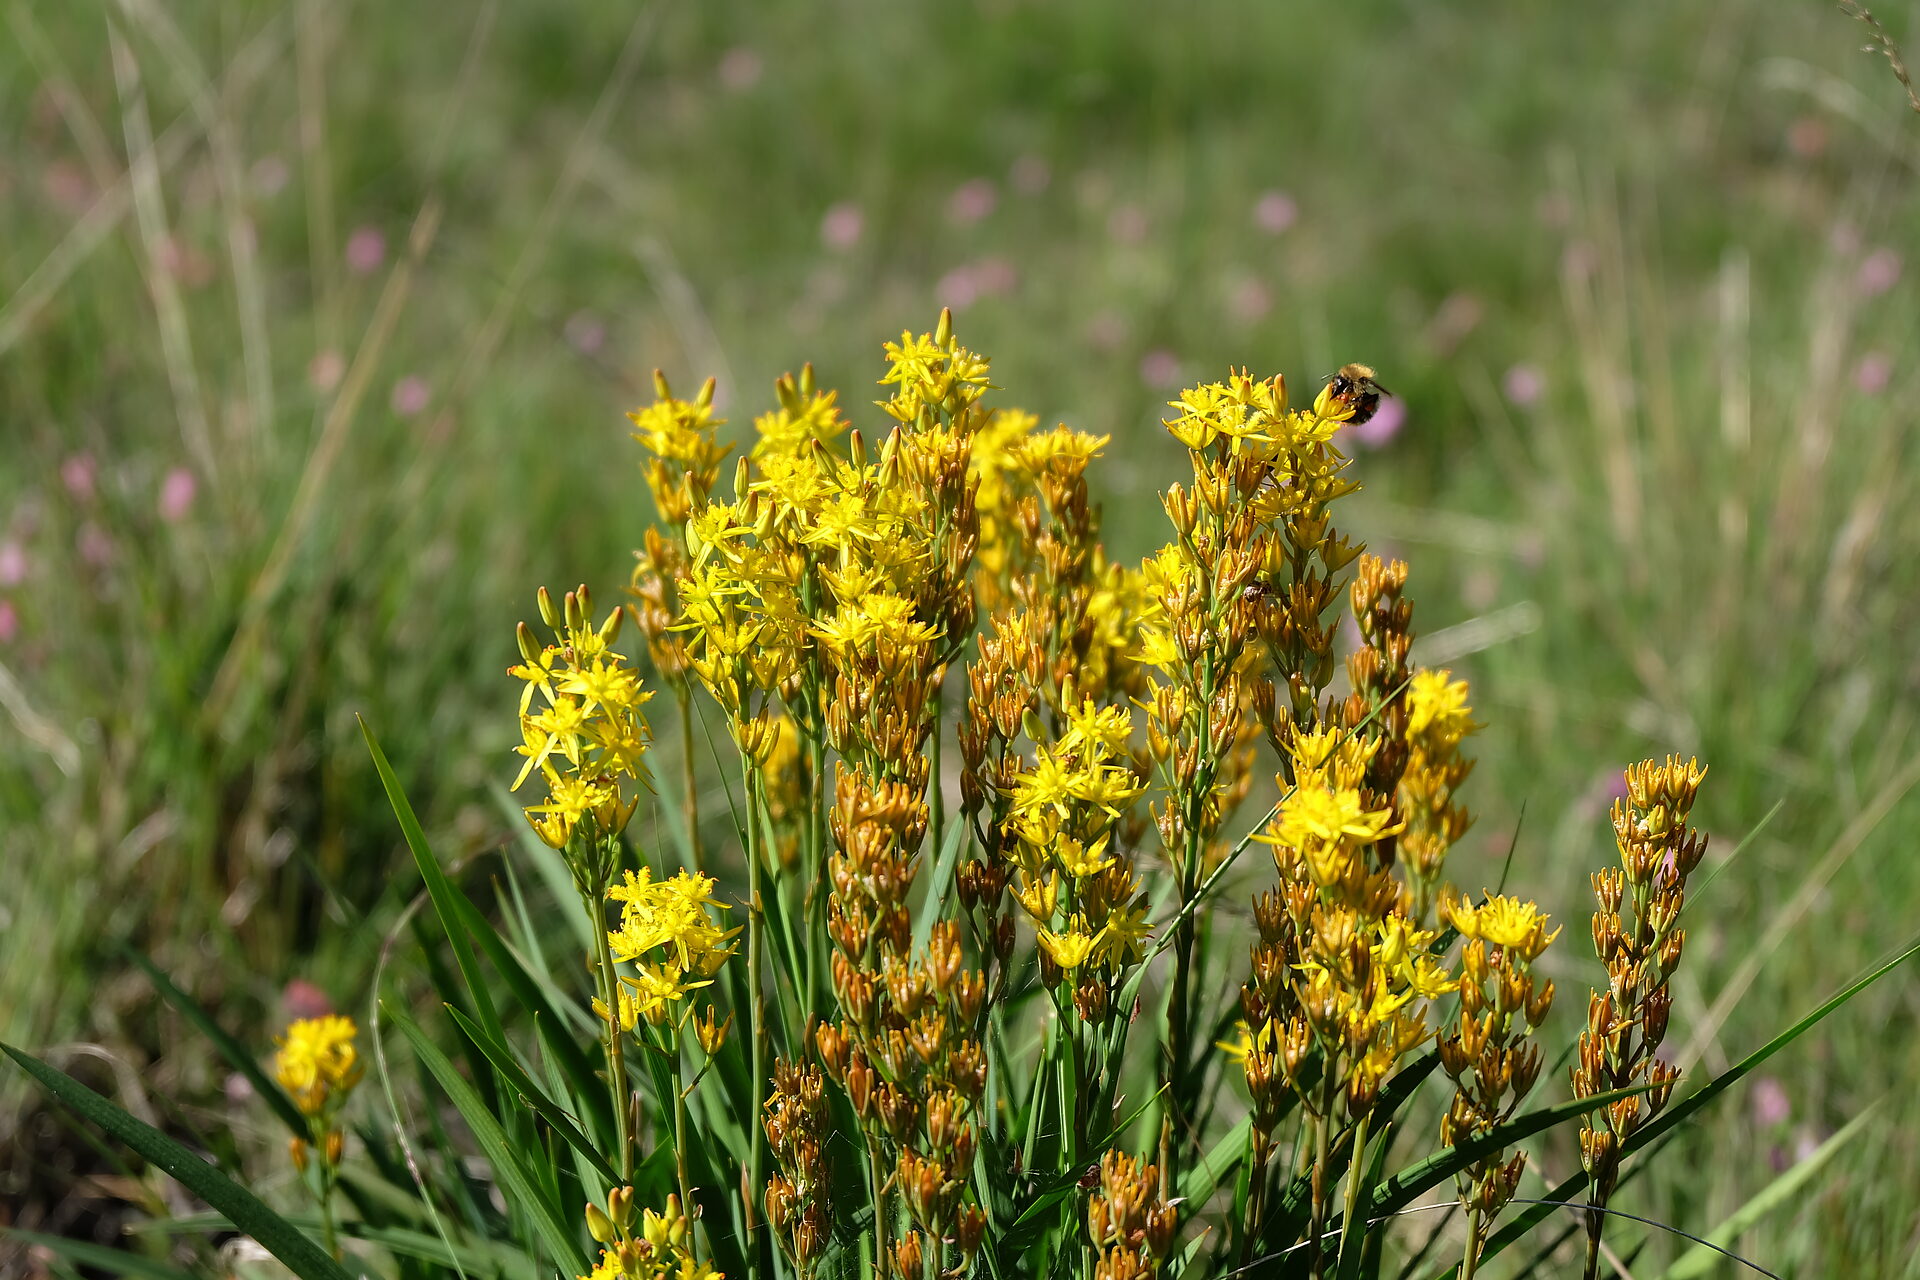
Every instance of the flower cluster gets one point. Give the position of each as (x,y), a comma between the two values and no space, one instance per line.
(1129,1220)
(662,1248)
(798,1130)
(823,601)
(1637,935)
(318,1064)
(1486,1052)
(1245,582)
(584,731)
(666,931)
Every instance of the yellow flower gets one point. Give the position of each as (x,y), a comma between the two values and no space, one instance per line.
(1123,940)
(1069,950)
(318,1064)
(670,916)
(1510,923)
(658,987)
(1437,708)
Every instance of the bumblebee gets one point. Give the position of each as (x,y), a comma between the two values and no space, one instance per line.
(1353,387)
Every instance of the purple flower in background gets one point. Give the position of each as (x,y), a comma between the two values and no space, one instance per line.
(183,262)
(1250,300)
(301,999)
(1274,212)
(995,275)
(1879,272)
(177,491)
(972,201)
(1807,137)
(585,333)
(410,395)
(1106,330)
(842,226)
(67,186)
(269,175)
(326,369)
(740,69)
(1030,175)
(1871,375)
(94,546)
(969,282)
(13,563)
(956,289)
(9,622)
(1524,385)
(1160,369)
(1128,224)
(1384,425)
(1771,1106)
(1579,260)
(77,473)
(366,250)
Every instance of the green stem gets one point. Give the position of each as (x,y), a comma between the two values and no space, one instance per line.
(1470,1261)
(1322,1150)
(689,781)
(877,1191)
(1594,1220)
(936,793)
(680,1091)
(330,1231)
(756,930)
(615,1043)
(1351,1229)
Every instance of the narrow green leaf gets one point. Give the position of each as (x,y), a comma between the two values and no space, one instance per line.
(122,1262)
(546,864)
(518,1080)
(522,1186)
(581,1069)
(1406,1186)
(936,899)
(439,888)
(236,1054)
(1199,1182)
(1701,1259)
(275,1234)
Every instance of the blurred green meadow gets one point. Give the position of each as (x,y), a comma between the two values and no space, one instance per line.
(318,322)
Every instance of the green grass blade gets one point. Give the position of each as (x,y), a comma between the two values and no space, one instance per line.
(1673,1115)
(1403,1188)
(546,864)
(935,901)
(123,1262)
(274,1233)
(521,1184)
(580,1068)
(520,1082)
(1701,1259)
(1200,1181)
(439,888)
(232,1050)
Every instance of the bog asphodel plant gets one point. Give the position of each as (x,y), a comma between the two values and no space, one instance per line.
(1009,1069)
(931,976)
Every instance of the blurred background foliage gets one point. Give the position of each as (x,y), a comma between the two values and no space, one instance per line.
(318,322)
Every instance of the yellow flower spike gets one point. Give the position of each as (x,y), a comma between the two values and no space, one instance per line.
(318,1064)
